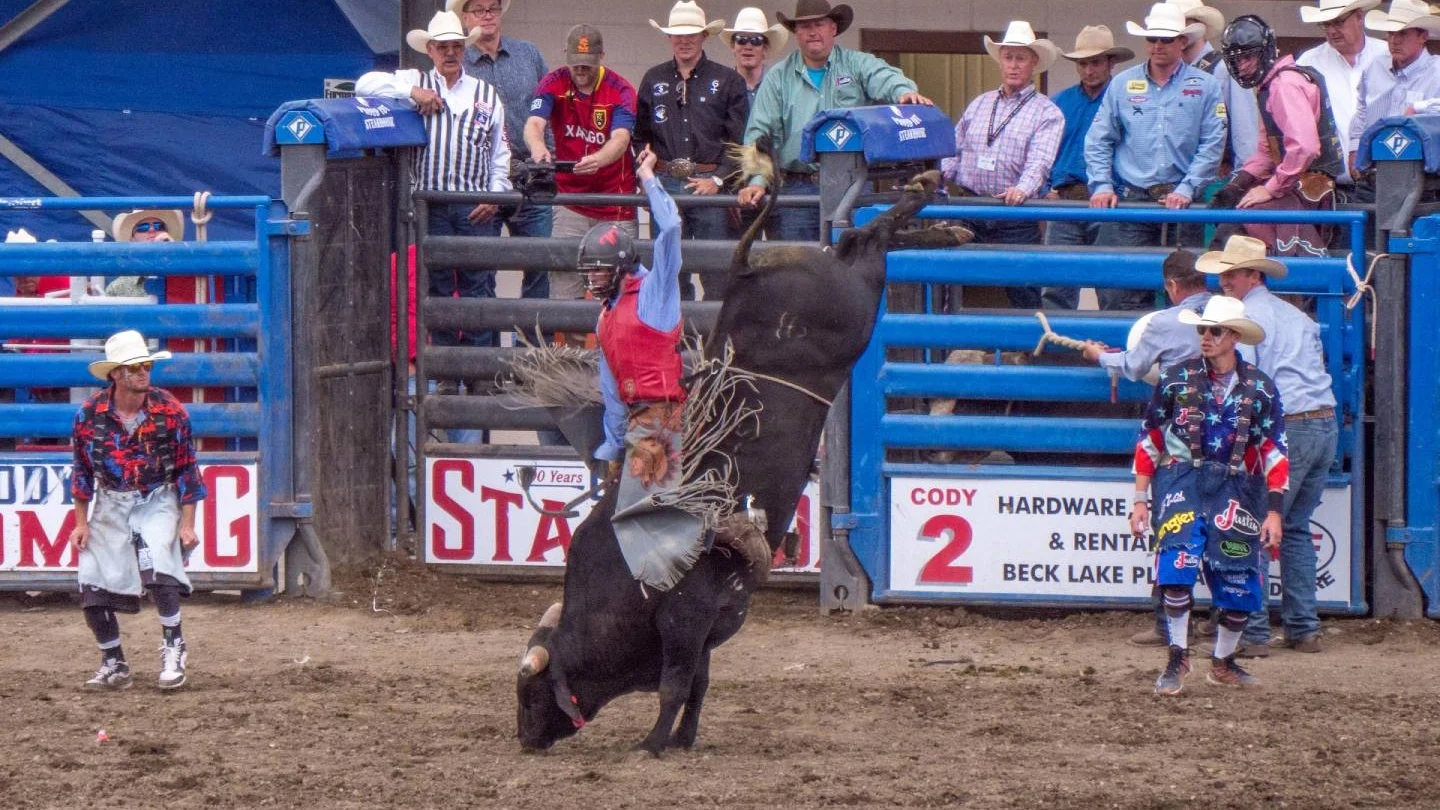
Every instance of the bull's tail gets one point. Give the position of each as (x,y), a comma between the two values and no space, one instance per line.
(916,195)
(755,159)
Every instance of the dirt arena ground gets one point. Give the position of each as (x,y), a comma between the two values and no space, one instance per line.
(403,696)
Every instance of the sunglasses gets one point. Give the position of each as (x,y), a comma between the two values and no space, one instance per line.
(1212,331)
(147,227)
(1161,40)
(136,368)
(750,39)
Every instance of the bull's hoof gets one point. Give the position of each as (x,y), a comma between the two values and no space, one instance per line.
(654,749)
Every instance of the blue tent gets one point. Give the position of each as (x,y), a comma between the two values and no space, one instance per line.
(153,97)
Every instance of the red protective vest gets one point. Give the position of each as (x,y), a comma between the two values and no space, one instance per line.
(644,360)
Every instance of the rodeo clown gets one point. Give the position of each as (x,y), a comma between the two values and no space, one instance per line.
(135,461)
(1213,442)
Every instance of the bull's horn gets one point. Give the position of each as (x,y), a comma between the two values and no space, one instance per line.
(551,618)
(535,660)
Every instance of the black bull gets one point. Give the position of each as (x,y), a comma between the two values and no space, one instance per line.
(798,315)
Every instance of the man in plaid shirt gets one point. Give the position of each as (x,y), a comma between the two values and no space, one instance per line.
(1006,142)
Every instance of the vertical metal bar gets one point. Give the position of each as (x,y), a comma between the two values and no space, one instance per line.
(419,227)
(277,438)
(401,217)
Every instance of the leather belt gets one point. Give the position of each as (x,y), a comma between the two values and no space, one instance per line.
(1073,191)
(684,167)
(1318,413)
(802,177)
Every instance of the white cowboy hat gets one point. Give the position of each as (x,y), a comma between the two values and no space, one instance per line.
(1096,40)
(1229,313)
(752,20)
(125,349)
(1331,9)
(686,17)
(1240,252)
(1403,14)
(457,6)
(444,27)
(1019,34)
(1165,20)
(21,236)
(1196,11)
(123,228)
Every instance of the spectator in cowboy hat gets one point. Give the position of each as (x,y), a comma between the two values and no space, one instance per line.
(752,43)
(1407,82)
(1005,143)
(1095,57)
(149,225)
(1205,26)
(818,75)
(1341,59)
(689,108)
(1157,138)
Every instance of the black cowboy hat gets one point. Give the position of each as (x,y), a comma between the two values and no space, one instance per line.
(842,14)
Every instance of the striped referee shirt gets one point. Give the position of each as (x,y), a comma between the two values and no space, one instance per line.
(468,149)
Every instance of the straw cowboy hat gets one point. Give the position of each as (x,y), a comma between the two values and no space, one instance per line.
(752,20)
(688,18)
(806,10)
(1096,40)
(1165,20)
(1197,12)
(1403,14)
(125,349)
(1240,252)
(1332,9)
(124,225)
(457,6)
(444,27)
(1019,34)
(1229,313)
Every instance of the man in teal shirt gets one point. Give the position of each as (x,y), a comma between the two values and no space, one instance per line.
(817,76)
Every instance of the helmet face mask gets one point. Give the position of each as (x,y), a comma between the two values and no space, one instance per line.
(1245,37)
(606,253)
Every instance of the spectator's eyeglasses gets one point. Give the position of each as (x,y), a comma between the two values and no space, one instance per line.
(1338,21)
(488,11)
(1212,331)
(1161,40)
(749,39)
(136,368)
(147,227)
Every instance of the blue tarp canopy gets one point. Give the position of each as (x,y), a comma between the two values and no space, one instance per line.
(157,97)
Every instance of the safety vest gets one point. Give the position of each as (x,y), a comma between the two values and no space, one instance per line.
(1194,427)
(1330,161)
(644,360)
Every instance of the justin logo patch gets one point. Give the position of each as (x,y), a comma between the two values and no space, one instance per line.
(600,117)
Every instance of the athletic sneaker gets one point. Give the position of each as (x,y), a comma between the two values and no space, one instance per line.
(172,664)
(1225,672)
(1172,680)
(112,676)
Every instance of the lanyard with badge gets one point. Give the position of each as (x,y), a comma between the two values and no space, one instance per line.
(988,162)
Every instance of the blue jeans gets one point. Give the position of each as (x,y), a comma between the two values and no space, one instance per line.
(446,282)
(1067,233)
(697,223)
(796,224)
(1311,450)
(536,221)
(1128,234)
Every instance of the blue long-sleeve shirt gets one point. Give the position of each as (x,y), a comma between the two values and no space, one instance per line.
(1146,134)
(1291,352)
(1079,110)
(658,308)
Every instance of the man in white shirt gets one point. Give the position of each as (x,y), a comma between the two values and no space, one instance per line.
(1341,58)
(467,150)
(1410,77)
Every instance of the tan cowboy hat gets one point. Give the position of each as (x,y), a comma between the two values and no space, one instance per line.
(806,10)
(457,6)
(1096,40)
(1403,14)
(752,20)
(1197,12)
(1165,20)
(444,27)
(123,228)
(1331,9)
(687,17)
(1240,252)
(126,348)
(1229,313)
(1019,34)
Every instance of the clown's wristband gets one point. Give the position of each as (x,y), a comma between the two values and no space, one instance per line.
(1275,501)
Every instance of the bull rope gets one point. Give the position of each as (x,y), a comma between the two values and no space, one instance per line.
(1048,335)
(1365,290)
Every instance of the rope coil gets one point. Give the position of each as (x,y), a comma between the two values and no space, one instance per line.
(1365,289)
(201,215)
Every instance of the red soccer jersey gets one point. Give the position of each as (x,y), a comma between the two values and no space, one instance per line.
(583,125)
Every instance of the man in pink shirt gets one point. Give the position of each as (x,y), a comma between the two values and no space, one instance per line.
(1300,152)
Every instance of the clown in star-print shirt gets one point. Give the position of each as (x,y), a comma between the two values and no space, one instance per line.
(1187,385)
(159,452)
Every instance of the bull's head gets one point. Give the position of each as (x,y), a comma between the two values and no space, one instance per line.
(540,719)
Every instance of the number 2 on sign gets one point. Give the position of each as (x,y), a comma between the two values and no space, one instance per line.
(939,568)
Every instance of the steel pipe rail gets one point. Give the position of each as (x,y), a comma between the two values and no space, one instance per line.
(523,315)
(492,413)
(127,203)
(101,321)
(1045,384)
(230,419)
(1038,434)
(237,369)
(682,201)
(135,259)
(705,256)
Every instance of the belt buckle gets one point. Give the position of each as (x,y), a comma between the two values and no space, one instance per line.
(681,169)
